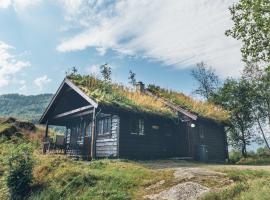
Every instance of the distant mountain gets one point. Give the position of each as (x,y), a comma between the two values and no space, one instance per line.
(24,107)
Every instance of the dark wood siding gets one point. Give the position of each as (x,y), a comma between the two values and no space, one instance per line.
(213,136)
(169,140)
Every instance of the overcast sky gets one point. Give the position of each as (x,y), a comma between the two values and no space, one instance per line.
(161,41)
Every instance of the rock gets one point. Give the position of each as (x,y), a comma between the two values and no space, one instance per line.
(25,125)
(181,191)
(155,185)
(8,130)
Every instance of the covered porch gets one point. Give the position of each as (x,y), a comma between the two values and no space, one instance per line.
(72,109)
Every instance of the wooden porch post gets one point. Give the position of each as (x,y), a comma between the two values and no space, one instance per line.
(46,130)
(45,141)
(93,142)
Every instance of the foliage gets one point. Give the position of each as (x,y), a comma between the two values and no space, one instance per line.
(127,99)
(236,97)
(24,107)
(234,156)
(259,79)
(248,184)
(207,79)
(132,78)
(106,72)
(252,26)
(263,151)
(204,109)
(20,176)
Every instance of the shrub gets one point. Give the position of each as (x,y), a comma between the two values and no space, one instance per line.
(20,176)
(263,151)
(235,156)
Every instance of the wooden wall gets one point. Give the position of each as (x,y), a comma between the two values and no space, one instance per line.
(107,145)
(170,140)
(211,135)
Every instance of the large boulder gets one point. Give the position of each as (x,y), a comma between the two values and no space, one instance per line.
(8,130)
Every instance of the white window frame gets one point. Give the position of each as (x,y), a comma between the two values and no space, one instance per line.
(100,126)
(139,128)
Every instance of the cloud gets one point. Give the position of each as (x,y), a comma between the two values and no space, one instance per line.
(41,81)
(93,69)
(177,33)
(18,5)
(10,64)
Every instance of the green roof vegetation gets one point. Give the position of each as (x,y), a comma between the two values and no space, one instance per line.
(112,94)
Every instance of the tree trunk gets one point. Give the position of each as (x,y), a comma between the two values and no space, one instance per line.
(244,145)
(263,134)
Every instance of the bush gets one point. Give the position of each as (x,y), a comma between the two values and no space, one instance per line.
(235,156)
(263,151)
(20,176)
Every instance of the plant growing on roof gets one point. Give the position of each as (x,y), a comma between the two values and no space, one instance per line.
(132,78)
(106,72)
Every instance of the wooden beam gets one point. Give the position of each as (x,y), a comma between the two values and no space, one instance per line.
(47,129)
(80,92)
(72,111)
(172,105)
(93,142)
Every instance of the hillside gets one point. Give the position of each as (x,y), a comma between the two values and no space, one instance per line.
(56,176)
(24,107)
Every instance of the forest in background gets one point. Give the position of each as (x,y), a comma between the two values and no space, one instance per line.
(24,107)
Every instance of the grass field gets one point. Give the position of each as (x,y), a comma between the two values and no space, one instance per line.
(60,177)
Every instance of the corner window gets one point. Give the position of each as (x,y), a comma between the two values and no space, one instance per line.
(104,126)
(137,127)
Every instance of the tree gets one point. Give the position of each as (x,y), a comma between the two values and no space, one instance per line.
(106,72)
(259,78)
(207,79)
(132,78)
(252,27)
(235,96)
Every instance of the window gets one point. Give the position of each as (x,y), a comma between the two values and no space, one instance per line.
(89,130)
(201,132)
(104,126)
(141,127)
(137,127)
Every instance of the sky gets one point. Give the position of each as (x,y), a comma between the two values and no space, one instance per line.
(161,41)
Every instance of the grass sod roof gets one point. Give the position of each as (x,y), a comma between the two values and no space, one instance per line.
(111,94)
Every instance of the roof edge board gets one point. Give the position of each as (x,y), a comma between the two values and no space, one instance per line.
(76,89)
(80,92)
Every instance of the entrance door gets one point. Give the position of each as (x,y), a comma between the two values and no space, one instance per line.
(203,153)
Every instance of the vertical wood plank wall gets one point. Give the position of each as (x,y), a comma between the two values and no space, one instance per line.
(107,145)
(170,140)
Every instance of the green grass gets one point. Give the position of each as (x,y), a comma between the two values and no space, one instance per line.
(113,94)
(248,184)
(254,160)
(64,178)
(60,177)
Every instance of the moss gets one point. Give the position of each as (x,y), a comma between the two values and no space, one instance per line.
(112,94)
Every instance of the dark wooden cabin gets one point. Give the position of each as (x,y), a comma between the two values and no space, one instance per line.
(100,130)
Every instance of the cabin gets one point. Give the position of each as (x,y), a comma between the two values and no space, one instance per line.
(106,120)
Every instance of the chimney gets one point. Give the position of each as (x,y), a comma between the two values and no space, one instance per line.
(140,87)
